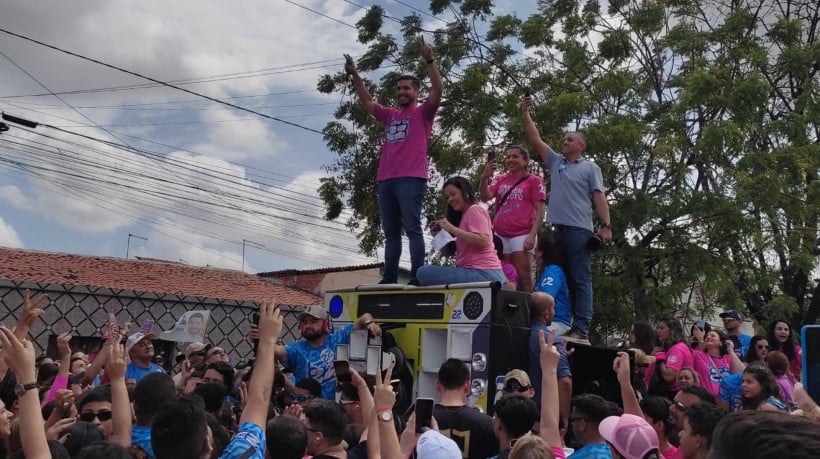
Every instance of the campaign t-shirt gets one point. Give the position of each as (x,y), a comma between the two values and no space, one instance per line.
(553,280)
(247,443)
(136,372)
(404,152)
(592,451)
(677,357)
(141,436)
(711,369)
(731,392)
(476,219)
(317,362)
(471,430)
(516,216)
(534,372)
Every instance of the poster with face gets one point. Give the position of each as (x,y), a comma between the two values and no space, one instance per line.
(190,328)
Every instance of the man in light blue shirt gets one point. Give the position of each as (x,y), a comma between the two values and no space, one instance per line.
(313,356)
(576,187)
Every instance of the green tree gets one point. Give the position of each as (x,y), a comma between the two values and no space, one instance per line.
(703,115)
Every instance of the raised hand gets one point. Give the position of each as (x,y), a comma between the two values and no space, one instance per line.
(62,344)
(621,367)
(489,169)
(19,355)
(549,354)
(31,311)
(116,363)
(350,66)
(526,104)
(270,322)
(425,49)
(383,395)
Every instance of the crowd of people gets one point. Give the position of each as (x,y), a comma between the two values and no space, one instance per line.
(119,403)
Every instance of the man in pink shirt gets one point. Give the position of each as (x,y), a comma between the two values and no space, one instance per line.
(402,175)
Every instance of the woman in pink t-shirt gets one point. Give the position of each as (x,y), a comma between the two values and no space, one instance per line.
(469,223)
(781,338)
(713,359)
(675,355)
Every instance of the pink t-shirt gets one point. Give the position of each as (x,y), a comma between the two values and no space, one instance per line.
(672,453)
(677,357)
(510,272)
(517,216)
(476,219)
(711,370)
(404,152)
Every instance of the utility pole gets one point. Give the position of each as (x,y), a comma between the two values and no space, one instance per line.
(128,248)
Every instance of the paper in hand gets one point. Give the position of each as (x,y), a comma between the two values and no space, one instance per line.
(441,239)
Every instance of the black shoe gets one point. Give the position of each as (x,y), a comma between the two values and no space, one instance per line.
(414,283)
(575,335)
(385,281)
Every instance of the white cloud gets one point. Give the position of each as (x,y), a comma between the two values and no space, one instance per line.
(8,236)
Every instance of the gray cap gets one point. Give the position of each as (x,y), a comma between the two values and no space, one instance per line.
(315,310)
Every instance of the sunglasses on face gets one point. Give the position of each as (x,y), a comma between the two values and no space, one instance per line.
(90,415)
(514,386)
(299,397)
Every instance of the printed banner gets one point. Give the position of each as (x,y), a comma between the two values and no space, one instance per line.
(190,328)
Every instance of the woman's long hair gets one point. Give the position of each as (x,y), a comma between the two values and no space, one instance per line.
(768,386)
(751,353)
(675,332)
(463,185)
(775,345)
(722,337)
(644,336)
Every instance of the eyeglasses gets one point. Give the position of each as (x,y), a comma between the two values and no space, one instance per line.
(729,319)
(90,415)
(514,386)
(299,397)
(347,402)
(680,407)
(761,346)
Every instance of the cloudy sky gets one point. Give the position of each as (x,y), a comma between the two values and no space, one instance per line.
(200,177)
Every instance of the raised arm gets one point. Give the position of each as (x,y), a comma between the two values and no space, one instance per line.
(364,95)
(621,368)
(20,358)
(549,390)
(484,185)
(366,322)
(120,405)
(261,383)
(540,146)
(436,85)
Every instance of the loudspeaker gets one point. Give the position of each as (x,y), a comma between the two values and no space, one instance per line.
(509,339)
(592,371)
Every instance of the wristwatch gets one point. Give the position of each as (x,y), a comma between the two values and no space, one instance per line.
(386,416)
(21,389)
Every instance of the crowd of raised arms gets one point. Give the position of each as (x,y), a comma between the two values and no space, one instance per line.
(717,393)
(694,399)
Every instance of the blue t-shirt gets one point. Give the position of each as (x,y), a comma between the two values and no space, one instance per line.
(247,443)
(730,391)
(317,362)
(592,451)
(744,345)
(136,372)
(571,186)
(141,436)
(554,281)
(535,358)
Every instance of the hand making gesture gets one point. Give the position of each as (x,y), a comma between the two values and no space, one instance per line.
(31,311)
(425,50)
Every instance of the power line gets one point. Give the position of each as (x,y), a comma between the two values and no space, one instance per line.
(322,14)
(213,99)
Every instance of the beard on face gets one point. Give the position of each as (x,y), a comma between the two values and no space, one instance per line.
(311,335)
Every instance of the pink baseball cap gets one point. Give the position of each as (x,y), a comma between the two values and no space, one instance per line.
(631,435)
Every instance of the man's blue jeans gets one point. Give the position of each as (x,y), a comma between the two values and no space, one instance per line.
(400,201)
(580,273)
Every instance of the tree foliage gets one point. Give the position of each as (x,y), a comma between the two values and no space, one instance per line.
(704,116)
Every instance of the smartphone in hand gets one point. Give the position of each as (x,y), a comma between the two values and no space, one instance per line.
(342,368)
(491,156)
(424,413)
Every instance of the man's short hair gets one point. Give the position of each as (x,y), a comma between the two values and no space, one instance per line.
(326,417)
(582,136)
(213,395)
(757,434)
(351,392)
(415,81)
(311,385)
(225,370)
(97,394)
(287,436)
(700,392)
(517,414)
(703,419)
(152,392)
(179,429)
(657,409)
(453,374)
(595,408)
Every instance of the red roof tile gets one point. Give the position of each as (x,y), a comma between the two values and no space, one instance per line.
(296,272)
(146,275)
